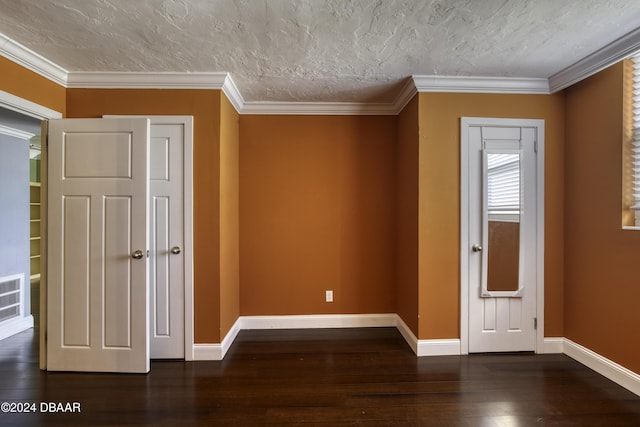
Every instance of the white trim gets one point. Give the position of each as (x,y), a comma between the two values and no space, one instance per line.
(130,80)
(16,133)
(444,347)
(405,96)
(408,334)
(216,351)
(187,123)
(207,352)
(234,96)
(440,347)
(230,338)
(28,108)
(608,368)
(465,124)
(553,345)
(622,48)
(540,241)
(476,84)
(32,61)
(15,326)
(319,108)
(319,321)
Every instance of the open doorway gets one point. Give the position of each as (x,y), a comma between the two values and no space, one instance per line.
(19,221)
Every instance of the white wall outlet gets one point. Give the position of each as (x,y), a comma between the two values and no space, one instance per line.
(329,296)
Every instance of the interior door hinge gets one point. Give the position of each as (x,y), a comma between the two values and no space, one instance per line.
(535,323)
(535,146)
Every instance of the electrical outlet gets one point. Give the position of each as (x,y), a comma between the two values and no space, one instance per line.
(329,296)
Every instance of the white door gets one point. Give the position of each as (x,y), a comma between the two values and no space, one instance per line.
(501,246)
(166,233)
(97,318)
(170,233)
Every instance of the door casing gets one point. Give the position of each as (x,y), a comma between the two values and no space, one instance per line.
(23,106)
(465,124)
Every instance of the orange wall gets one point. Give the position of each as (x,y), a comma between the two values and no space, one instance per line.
(407,215)
(204,105)
(601,280)
(26,84)
(229,216)
(317,212)
(439,202)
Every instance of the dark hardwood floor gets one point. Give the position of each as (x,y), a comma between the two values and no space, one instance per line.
(329,377)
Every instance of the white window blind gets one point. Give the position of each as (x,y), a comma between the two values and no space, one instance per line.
(635,142)
(503,183)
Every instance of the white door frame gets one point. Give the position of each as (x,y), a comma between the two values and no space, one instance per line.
(465,124)
(187,122)
(28,108)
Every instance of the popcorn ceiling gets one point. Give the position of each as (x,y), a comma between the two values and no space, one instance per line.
(319,50)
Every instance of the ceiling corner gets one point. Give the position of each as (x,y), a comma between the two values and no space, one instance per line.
(30,60)
(232,93)
(610,54)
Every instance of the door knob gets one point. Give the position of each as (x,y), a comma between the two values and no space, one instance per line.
(476,248)
(137,254)
(175,250)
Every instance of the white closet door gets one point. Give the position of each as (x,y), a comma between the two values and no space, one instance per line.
(167,267)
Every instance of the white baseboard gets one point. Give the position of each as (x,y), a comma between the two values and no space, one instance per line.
(448,347)
(553,345)
(15,326)
(319,321)
(408,334)
(218,351)
(611,370)
(207,352)
(229,339)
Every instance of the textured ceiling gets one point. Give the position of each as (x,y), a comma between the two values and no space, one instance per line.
(316,50)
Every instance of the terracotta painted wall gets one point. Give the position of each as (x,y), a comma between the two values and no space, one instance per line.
(439,202)
(229,216)
(204,105)
(601,282)
(317,212)
(407,215)
(28,85)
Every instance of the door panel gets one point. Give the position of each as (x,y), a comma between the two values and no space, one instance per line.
(167,274)
(501,318)
(97,215)
(76,283)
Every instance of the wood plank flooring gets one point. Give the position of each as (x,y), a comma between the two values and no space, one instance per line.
(322,377)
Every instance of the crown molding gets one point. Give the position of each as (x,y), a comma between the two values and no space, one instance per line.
(16,133)
(612,53)
(471,84)
(135,80)
(408,91)
(233,94)
(319,108)
(30,60)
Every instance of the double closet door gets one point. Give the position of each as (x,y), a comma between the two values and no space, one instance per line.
(116,243)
